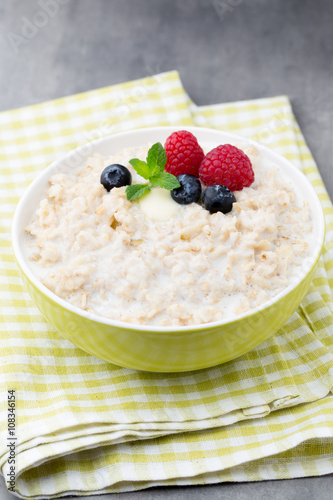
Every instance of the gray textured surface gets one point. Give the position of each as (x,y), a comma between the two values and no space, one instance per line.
(237,49)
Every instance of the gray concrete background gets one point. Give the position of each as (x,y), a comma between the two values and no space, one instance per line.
(225,50)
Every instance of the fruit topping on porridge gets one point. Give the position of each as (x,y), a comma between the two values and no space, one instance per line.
(184,154)
(218,199)
(189,190)
(182,238)
(228,166)
(115,176)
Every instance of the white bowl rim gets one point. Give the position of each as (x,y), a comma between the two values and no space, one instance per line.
(234,138)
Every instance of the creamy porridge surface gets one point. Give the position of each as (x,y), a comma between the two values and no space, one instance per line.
(104,254)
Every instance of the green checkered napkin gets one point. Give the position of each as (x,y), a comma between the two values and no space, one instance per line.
(85,426)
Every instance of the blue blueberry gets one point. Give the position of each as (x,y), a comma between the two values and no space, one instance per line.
(115,176)
(218,198)
(189,190)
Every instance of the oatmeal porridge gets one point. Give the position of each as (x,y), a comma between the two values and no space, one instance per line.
(118,259)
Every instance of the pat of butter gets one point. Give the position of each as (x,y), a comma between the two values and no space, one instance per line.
(158,205)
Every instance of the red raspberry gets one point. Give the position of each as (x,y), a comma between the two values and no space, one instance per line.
(183,153)
(228,166)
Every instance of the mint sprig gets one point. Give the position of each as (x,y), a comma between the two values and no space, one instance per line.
(164,180)
(153,170)
(136,190)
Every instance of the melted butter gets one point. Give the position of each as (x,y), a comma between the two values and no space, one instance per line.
(158,205)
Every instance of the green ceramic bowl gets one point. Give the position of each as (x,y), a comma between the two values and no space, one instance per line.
(153,348)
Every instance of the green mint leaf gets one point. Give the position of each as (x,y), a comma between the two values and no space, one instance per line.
(165,180)
(136,190)
(141,167)
(156,158)
(152,171)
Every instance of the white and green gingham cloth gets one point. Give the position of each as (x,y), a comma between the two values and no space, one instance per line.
(85,426)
